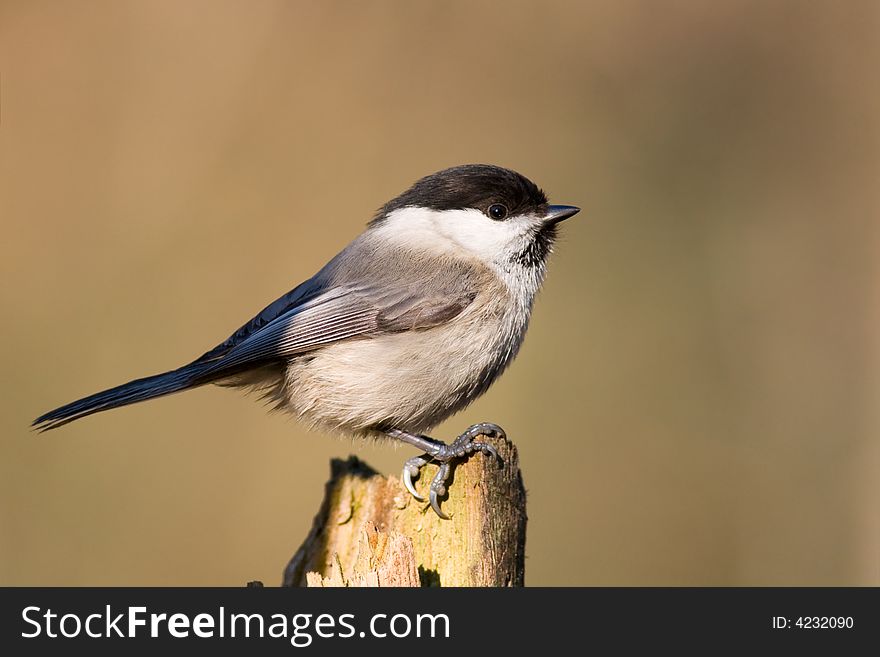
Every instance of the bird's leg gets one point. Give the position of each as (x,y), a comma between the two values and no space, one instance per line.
(435,450)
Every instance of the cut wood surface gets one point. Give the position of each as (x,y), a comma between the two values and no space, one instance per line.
(370,531)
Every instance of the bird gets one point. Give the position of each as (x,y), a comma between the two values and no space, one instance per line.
(407,325)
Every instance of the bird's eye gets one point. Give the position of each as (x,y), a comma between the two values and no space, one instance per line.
(497,211)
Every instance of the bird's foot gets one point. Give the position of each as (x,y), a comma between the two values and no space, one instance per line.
(460,448)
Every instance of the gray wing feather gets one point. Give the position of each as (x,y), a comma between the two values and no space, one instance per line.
(338,314)
(409,314)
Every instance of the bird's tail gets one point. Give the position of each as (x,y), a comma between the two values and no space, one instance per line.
(128,393)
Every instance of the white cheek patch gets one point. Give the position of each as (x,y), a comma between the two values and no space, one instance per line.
(454,230)
(482,236)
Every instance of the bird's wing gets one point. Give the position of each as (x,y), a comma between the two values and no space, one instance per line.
(339,313)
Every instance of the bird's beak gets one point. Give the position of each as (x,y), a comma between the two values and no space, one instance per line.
(557,213)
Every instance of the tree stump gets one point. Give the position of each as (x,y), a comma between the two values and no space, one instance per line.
(370,531)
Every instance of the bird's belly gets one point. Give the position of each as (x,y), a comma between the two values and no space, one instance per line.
(411,381)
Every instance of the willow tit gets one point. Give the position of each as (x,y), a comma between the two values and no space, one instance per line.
(407,325)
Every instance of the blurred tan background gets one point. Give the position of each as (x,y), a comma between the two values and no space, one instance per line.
(696,402)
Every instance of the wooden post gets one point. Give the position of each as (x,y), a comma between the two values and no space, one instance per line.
(370,531)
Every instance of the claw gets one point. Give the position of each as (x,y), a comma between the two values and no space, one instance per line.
(407,482)
(412,469)
(438,489)
(436,506)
